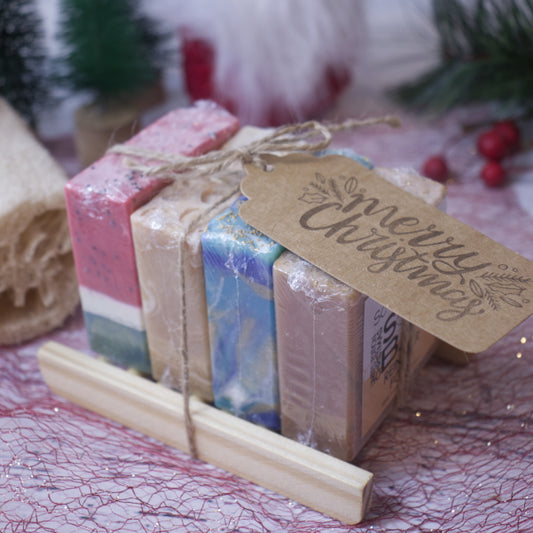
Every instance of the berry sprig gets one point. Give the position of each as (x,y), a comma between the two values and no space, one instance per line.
(502,140)
(496,144)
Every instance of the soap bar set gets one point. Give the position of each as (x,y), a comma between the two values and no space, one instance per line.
(170,272)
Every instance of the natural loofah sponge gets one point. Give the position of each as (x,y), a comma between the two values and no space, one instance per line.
(38,286)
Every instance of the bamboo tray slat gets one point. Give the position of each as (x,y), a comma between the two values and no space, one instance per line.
(312,478)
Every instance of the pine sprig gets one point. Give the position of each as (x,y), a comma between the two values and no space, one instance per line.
(504,277)
(492,302)
(486,52)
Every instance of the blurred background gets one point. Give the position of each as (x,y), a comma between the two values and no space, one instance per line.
(267,61)
(93,72)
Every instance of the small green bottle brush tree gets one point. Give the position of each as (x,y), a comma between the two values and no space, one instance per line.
(22,60)
(111,50)
(111,53)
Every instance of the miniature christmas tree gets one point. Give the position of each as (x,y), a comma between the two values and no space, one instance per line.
(22,60)
(114,54)
(112,51)
(486,50)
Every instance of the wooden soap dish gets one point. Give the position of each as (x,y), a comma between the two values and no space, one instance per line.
(312,478)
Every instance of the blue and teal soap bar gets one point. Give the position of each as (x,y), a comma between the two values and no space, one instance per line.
(238,263)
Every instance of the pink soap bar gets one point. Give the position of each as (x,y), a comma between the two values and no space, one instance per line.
(102,197)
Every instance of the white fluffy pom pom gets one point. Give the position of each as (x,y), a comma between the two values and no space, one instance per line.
(276,60)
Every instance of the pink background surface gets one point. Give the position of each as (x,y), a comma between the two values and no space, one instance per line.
(457,456)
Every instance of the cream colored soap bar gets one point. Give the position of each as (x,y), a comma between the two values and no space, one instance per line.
(166,235)
(432,192)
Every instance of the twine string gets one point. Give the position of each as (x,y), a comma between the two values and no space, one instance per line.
(185,364)
(310,136)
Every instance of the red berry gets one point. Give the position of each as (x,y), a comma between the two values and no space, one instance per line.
(435,168)
(493,174)
(510,133)
(492,145)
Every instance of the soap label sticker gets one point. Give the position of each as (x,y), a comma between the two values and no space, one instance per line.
(381,361)
(381,343)
(420,263)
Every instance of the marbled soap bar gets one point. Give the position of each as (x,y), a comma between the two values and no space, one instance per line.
(238,276)
(166,236)
(100,201)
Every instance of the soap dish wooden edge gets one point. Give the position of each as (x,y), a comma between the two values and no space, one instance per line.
(333,487)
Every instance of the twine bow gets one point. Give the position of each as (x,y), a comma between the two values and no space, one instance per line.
(311,136)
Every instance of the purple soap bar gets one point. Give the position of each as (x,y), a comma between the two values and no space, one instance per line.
(320,351)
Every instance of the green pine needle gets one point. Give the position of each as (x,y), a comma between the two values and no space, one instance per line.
(486,56)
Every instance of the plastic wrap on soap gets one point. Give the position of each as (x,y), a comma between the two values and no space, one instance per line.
(238,275)
(100,200)
(319,325)
(166,235)
(334,388)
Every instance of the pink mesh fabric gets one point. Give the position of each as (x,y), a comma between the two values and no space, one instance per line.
(456,457)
